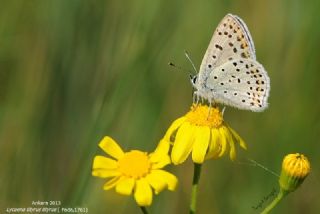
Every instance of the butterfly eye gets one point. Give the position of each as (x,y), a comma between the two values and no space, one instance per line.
(194,79)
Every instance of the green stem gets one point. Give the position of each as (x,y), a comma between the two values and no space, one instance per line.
(275,201)
(194,191)
(144,210)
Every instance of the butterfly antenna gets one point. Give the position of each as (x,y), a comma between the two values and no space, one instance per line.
(188,57)
(179,68)
(255,163)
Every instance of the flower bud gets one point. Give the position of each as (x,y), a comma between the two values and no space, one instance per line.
(295,168)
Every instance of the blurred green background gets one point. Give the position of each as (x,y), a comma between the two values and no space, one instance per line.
(74,71)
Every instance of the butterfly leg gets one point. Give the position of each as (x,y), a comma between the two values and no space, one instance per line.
(195,98)
(210,103)
(210,107)
(222,112)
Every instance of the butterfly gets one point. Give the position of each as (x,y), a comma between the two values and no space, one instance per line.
(229,73)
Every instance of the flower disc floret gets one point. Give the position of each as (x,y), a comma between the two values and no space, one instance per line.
(134,164)
(204,116)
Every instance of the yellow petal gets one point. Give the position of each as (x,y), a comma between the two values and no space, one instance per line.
(224,143)
(174,126)
(232,153)
(163,147)
(101,162)
(215,144)
(143,192)
(160,157)
(105,173)
(125,186)
(230,141)
(183,143)
(156,182)
(238,138)
(167,177)
(201,142)
(111,147)
(111,183)
(160,161)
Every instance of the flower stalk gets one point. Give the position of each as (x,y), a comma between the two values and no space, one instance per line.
(144,210)
(194,191)
(275,201)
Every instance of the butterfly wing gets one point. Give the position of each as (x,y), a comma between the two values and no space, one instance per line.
(230,40)
(241,83)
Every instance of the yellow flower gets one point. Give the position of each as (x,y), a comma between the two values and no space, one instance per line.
(203,132)
(134,172)
(295,168)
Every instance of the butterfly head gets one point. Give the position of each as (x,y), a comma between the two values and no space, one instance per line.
(194,79)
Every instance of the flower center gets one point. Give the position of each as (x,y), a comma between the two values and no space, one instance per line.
(202,115)
(134,164)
